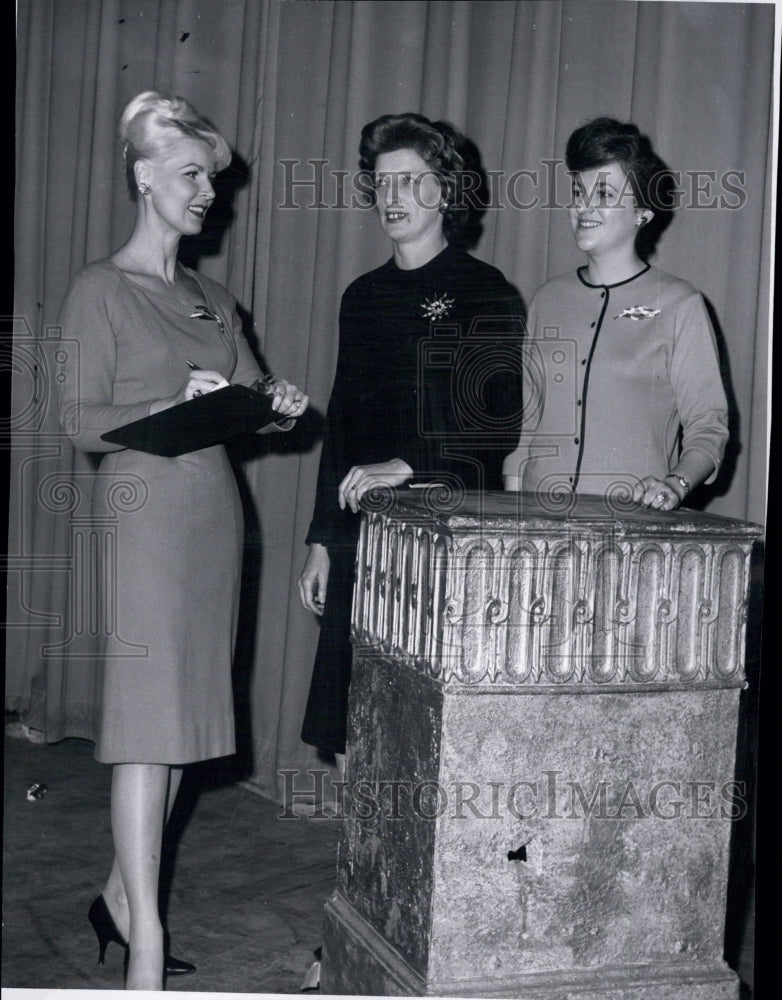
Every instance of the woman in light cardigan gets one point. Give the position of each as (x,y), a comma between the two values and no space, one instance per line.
(623,395)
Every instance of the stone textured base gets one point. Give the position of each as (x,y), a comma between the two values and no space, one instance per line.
(354,952)
(549,845)
(540,784)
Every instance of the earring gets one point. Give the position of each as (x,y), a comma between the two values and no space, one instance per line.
(144,188)
(640,221)
(443,207)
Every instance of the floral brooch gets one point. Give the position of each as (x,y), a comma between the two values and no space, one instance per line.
(437,307)
(637,312)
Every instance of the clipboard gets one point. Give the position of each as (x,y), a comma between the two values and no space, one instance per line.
(199,423)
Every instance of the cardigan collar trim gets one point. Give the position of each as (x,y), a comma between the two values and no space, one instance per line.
(580,272)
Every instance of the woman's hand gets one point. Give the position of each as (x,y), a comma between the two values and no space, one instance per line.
(289,401)
(199,384)
(202,382)
(368,477)
(659,494)
(314,579)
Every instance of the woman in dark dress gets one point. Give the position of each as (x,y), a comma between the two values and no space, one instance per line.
(141,319)
(411,403)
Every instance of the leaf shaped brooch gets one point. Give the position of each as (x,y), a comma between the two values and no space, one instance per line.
(637,312)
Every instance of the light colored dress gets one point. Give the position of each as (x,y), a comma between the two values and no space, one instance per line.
(174,569)
(619,380)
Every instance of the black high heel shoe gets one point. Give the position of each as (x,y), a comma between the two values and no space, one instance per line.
(106,932)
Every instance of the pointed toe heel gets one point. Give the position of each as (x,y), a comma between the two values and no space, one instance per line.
(106,931)
(104,927)
(177,967)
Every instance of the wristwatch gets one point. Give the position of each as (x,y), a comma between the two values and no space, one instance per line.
(684,483)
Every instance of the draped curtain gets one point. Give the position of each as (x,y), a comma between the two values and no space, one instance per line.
(290,84)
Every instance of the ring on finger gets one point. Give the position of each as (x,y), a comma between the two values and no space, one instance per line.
(660,499)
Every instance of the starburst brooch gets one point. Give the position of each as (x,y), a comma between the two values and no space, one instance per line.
(437,307)
(637,312)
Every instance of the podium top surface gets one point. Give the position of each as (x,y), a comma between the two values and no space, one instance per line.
(498,510)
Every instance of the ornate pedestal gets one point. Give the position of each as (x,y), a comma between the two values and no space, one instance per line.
(542,731)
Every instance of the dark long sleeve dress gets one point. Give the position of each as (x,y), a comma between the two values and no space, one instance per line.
(428,372)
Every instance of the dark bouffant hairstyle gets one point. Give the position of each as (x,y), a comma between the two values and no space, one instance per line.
(442,147)
(605,140)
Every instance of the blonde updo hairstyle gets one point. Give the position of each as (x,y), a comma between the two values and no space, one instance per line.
(152,121)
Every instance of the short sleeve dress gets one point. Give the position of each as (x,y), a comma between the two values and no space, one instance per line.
(171,528)
(428,372)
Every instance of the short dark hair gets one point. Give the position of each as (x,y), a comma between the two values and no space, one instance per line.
(441,146)
(605,140)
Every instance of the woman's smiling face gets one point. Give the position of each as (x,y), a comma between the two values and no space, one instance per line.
(604,213)
(180,179)
(409,195)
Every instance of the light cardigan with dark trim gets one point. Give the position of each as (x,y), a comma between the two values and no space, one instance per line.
(613,374)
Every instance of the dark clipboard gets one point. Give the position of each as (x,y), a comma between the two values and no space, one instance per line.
(199,423)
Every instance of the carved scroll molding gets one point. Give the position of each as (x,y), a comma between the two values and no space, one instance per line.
(584,608)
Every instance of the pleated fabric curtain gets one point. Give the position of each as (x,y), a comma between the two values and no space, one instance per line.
(290,85)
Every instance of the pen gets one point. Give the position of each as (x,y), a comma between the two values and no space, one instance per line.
(198,368)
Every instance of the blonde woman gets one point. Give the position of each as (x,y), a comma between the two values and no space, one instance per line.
(153,334)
